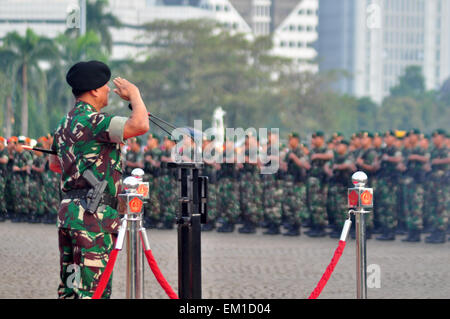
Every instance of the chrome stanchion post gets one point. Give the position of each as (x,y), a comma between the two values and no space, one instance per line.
(131,204)
(360,197)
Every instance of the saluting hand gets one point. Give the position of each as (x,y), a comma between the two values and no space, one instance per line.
(125,89)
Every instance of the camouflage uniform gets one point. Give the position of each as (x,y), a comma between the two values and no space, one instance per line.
(38,204)
(228,201)
(294,194)
(3,167)
(213,196)
(414,191)
(317,189)
(250,190)
(52,194)
(133,157)
(20,185)
(387,189)
(168,192)
(369,156)
(9,185)
(439,190)
(86,139)
(152,208)
(338,190)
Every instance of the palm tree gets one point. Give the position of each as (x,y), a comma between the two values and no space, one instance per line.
(100,22)
(26,52)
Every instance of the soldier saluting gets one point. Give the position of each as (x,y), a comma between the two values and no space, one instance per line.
(88,140)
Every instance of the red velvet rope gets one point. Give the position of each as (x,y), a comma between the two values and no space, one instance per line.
(158,275)
(323,281)
(106,274)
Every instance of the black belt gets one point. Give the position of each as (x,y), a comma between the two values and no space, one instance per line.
(107,199)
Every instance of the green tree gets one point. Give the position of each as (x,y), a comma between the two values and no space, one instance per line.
(411,82)
(26,52)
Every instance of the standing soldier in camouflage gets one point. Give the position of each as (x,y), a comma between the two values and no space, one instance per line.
(228,201)
(439,188)
(152,166)
(272,191)
(414,192)
(295,206)
(210,169)
(388,184)
(11,148)
(21,182)
(36,187)
(340,168)
(168,190)
(368,162)
(52,189)
(316,185)
(249,188)
(87,139)
(133,157)
(3,163)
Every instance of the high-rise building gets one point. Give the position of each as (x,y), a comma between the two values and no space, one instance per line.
(375,40)
(292,23)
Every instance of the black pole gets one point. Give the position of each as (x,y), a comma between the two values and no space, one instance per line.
(191,214)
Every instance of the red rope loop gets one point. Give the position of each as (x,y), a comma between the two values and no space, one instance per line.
(106,274)
(323,281)
(158,275)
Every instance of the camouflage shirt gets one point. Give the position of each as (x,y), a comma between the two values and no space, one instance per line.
(318,164)
(440,153)
(342,176)
(3,155)
(415,168)
(87,139)
(292,168)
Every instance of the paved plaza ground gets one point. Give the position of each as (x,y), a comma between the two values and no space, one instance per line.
(237,266)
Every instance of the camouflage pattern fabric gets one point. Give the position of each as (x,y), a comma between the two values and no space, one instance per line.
(369,157)
(439,190)
(228,201)
(387,189)
(295,205)
(317,189)
(3,181)
(414,191)
(52,192)
(152,206)
(250,196)
(21,183)
(272,198)
(83,257)
(338,190)
(36,186)
(87,139)
(168,192)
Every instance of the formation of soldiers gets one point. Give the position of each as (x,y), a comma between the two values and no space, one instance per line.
(409,172)
(29,190)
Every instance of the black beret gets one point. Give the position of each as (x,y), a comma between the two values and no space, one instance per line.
(86,76)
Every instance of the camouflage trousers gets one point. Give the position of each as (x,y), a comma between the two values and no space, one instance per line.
(228,203)
(213,197)
(168,197)
(20,193)
(272,197)
(152,208)
(250,195)
(2,195)
(83,257)
(317,200)
(295,206)
(37,193)
(386,202)
(337,199)
(414,196)
(51,196)
(439,196)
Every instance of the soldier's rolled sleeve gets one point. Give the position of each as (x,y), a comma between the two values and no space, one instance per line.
(116,128)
